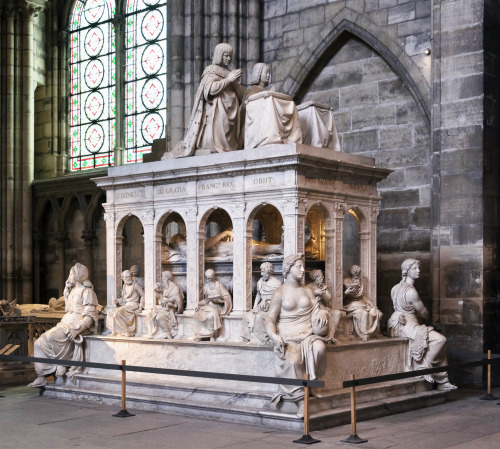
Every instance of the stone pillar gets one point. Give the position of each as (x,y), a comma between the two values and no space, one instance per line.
(37,238)
(88,237)
(147,219)
(195,254)
(61,239)
(111,258)
(293,220)
(340,209)
(242,263)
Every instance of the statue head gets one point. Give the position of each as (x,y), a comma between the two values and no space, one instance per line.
(407,265)
(289,262)
(317,276)
(78,273)
(127,277)
(166,276)
(219,52)
(355,272)
(210,275)
(134,270)
(260,71)
(266,270)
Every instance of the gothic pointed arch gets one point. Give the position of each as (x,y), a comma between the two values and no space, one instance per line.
(335,32)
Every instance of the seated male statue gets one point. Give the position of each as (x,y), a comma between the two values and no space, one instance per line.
(366,316)
(121,320)
(253,329)
(427,347)
(162,322)
(215,302)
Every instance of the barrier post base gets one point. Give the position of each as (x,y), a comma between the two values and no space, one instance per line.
(354,439)
(489,397)
(123,414)
(306,439)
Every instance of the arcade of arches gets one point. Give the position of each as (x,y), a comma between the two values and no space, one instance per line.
(413,84)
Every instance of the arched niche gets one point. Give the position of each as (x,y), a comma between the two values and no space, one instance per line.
(266,225)
(46,251)
(351,240)
(99,254)
(217,228)
(315,236)
(131,233)
(172,247)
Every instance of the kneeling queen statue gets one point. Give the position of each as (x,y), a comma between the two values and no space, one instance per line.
(64,341)
(427,347)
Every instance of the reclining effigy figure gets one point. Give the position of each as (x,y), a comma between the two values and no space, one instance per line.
(324,300)
(366,316)
(162,322)
(64,341)
(215,302)
(298,330)
(427,347)
(253,329)
(121,320)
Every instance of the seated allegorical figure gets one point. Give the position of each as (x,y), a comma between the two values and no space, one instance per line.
(253,328)
(214,125)
(215,302)
(366,316)
(427,347)
(293,317)
(162,322)
(121,320)
(324,299)
(64,341)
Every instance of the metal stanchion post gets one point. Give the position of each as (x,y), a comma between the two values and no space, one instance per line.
(306,438)
(489,396)
(123,412)
(353,437)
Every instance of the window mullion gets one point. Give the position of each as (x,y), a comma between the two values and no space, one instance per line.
(119,23)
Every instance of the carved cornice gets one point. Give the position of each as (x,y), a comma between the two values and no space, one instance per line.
(26,8)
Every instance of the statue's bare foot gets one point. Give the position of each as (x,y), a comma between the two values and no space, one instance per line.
(40,381)
(61,370)
(447,386)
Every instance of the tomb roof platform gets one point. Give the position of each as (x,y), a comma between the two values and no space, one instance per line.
(310,162)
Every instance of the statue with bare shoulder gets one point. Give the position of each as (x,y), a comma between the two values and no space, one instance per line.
(427,347)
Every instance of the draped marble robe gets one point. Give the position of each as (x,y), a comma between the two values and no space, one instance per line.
(215,120)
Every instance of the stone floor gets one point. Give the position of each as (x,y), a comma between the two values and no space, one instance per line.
(28,420)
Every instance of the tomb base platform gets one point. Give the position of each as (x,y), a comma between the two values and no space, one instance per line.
(245,402)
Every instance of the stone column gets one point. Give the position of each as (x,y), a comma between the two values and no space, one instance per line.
(88,237)
(147,219)
(293,219)
(61,239)
(195,254)
(242,262)
(37,238)
(111,259)
(340,209)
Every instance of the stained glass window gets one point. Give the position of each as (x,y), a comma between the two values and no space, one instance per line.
(94,123)
(93,84)
(145,75)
